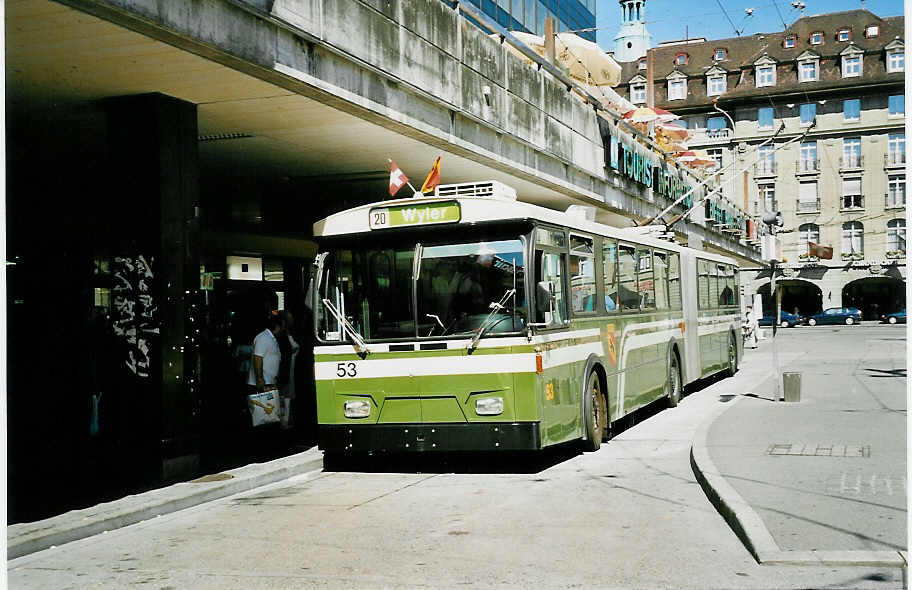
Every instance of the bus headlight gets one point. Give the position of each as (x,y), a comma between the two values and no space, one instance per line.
(489,406)
(357,409)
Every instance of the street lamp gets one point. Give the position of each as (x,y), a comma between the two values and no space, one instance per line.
(773,221)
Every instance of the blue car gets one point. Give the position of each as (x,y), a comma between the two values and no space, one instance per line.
(786,320)
(836,315)
(897,317)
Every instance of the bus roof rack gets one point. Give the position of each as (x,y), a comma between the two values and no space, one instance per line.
(490,189)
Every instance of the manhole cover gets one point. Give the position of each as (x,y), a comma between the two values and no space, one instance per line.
(819,450)
(213,477)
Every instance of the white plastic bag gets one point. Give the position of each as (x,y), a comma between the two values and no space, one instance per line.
(264,407)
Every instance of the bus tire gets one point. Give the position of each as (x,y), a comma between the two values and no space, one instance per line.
(595,412)
(732,356)
(673,379)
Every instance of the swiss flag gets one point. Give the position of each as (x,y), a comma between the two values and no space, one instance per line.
(398,179)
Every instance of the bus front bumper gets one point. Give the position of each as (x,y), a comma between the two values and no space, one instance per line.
(404,438)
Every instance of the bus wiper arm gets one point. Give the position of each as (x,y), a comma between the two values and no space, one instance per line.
(357,341)
(496,306)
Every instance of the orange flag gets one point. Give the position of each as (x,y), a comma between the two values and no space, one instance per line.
(433,177)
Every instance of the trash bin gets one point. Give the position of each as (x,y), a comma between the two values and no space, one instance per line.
(791,383)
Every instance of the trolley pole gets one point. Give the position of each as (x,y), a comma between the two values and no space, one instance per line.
(773,220)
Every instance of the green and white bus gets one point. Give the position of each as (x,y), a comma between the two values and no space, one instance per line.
(471,321)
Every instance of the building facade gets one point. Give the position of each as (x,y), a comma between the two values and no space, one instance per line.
(835,84)
(529,15)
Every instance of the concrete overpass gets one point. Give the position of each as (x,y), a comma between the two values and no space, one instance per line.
(322,92)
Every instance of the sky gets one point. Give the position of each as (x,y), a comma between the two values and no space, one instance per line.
(668,20)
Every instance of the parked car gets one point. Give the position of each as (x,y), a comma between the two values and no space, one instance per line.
(786,320)
(836,315)
(897,317)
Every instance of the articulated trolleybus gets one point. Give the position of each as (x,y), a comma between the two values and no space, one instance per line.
(471,321)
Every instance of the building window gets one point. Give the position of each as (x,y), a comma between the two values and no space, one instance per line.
(766,164)
(851,152)
(896,236)
(766,76)
(851,66)
(768,197)
(872,31)
(897,105)
(896,193)
(715,155)
(719,54)
(896,148)
(852,238)
(808,160)
(816,38)
(765,118)
(807,71)
(896,61)
(807,232)
(680,59)
(843,35)
(807,112)
(807,197)
(851,194)
(637,93)
(716,84)
(677,89)
(789,42)
(851,109)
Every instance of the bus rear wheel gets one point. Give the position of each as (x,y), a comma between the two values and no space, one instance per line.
(732,356)
(673,380)
(596,413)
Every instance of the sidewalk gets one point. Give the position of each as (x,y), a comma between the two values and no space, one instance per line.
(26,538)
(822,480)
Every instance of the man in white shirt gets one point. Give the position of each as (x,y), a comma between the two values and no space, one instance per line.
(266,355)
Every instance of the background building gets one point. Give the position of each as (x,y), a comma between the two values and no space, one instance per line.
(844,184)
(632,40)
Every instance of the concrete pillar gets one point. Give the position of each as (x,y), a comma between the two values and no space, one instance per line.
(152,147)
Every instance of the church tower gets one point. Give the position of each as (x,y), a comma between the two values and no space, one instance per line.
(632,39)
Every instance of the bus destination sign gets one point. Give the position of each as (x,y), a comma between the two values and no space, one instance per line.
(418,214)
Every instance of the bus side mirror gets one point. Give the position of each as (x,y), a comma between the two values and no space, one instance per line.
(544,299)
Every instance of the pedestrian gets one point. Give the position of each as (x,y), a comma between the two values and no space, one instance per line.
(264,366)
(750,328)
(286,378)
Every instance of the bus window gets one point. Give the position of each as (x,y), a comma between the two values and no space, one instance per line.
(727,284)
(551,237)
(552,266)
(736,279)
(722,295)
(582,275)
(703,280)
(645,281)
(609,267)
(627,271)
(674,281)
(713,271)
(660,262)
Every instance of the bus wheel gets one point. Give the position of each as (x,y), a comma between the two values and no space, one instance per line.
(596,412)
(673,381)
(732,356)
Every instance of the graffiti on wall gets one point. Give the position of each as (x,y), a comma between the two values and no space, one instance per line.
(134,311)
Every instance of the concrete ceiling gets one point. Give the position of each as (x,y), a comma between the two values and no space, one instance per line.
(58,58)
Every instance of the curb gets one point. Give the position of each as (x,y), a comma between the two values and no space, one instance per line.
(30,537)
(749,527)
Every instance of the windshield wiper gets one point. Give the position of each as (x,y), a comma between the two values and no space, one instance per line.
(496,306)
(437,318)
(357,341)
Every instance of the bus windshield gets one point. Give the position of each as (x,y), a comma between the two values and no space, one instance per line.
(424,290)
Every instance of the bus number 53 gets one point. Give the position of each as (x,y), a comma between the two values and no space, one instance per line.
(346,369)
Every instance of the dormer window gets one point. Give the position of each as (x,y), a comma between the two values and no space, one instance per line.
(680,59)
(844,35)
(677,86)
(715,84)
(637,93)
(641,65)
(851,62)
(808,67)
(872,31)
(896,57)
(719,54)
(765,71)
(789,42)
(816,38)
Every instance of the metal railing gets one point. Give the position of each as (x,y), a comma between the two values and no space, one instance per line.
(851,202)
(710,135)
(895,201)
(765,168)
(895,159)
(807,206)
(851,162)
(807,165)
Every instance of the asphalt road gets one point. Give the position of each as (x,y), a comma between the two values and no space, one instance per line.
(628,516)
